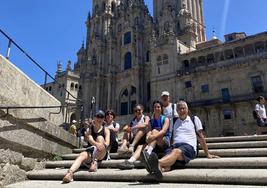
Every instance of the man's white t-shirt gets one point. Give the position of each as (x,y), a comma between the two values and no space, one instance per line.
(261,110)
(184,131)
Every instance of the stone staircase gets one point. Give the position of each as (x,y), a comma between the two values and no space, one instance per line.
(243,162)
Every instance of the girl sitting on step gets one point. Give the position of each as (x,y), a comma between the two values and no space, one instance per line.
(99,137)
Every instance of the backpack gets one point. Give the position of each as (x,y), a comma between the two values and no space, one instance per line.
(255,115)
(193,120)
(174,118)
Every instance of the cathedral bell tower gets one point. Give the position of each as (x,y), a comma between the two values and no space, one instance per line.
(182,17)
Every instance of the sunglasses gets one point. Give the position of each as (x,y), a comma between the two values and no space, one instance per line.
(137,110)
(100,116)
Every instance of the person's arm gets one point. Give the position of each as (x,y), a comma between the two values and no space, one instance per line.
(126,128)
(91,140)
(115,129)
(143,125)
(204,146)
(107,137)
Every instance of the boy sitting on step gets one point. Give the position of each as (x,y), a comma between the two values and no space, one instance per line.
(99,137)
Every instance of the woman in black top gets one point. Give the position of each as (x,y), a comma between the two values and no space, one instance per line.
(98,136)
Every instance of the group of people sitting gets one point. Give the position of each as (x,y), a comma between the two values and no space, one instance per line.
(171,133)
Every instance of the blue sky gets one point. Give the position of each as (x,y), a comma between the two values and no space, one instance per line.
(53,30)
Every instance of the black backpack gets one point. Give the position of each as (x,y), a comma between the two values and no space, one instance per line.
(193,120)
(255,115)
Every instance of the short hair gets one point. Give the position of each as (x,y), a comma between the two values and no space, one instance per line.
(182,103)
(109,111)
(260,98)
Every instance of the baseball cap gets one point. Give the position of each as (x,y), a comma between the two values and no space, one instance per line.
(165,93)
(100,114)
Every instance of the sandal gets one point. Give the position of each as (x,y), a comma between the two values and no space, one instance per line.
(68,177)
(93,167)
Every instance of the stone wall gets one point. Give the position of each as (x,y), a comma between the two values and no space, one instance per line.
(13,166)
(32,132)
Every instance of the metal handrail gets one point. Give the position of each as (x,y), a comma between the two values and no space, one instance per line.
(11,41)
(7,108)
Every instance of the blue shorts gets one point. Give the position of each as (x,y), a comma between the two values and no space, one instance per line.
(187,150)
(261,122)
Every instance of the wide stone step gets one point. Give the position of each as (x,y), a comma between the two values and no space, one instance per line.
(242,162)
(243,152)
(189,175)
(87,184)
(239,152)
(222,145)
(245,144)
(236,138)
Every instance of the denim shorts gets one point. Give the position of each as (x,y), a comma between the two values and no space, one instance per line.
(261,122)
(187,150)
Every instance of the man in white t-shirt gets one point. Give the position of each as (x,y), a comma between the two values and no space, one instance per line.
(169,110)
(184,147)
(261,114)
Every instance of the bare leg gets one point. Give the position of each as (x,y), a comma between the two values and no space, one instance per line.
(100,154)
(137,152)
(125,140)
(84,156)
(137,137)
(168,160)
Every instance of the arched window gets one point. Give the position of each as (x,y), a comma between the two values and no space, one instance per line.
(71,85)
(165,59)
(104,6)
(127,38)
(76,86)
(186,63)
(159,60)
(239,52)
(125,93)
(201,60)
(210,58)
(136,20)
(147,56)
(193,62)
(119,28)
(96,8)
(124,102)
(113,5)
(128,61)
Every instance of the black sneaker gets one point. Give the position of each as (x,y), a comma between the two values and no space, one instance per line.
(126,165)
(144,157)
(154,164)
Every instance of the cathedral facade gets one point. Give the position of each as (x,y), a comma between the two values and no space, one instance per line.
(130,57)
